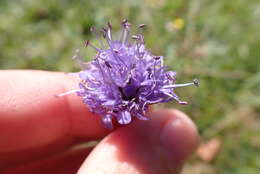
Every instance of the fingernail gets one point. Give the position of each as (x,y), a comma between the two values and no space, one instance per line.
(179,136)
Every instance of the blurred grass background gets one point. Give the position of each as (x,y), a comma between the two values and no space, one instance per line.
(217,42)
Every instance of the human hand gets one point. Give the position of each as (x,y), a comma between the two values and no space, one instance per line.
(38,131)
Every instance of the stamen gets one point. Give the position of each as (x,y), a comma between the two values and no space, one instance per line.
(110,74)
(175,97)
(125,31)
(68,92)
(155,101)
(195,83)
(87,43)
(100,69)
(109,34)
(171,75)
(141,39)
(77,57)
(104,30)
(115,53)
(93,30)
(103,73)
(109,25)
(125,22)
(154,78)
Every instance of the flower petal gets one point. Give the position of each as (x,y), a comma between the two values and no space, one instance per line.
(107,122)
(141,117)
(124,117)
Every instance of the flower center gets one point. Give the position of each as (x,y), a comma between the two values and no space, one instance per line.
(129,92)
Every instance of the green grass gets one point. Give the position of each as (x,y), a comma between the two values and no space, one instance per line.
(219,44)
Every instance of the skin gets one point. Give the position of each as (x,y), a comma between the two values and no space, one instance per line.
(39,132)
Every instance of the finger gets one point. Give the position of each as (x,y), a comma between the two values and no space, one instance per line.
(159,145)
(33,121)
(66,163)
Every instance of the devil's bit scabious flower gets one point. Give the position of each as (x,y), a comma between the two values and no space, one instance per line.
(124,78)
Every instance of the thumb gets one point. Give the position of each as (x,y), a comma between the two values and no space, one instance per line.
(159,145)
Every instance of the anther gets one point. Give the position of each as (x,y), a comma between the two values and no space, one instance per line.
(183,102)
(141,26)
(124,22)
(196,82)
(86,43)
(92,29)
(157,57)
(108,64)
(109,25)
(135,37)
(74,57)
(115,50)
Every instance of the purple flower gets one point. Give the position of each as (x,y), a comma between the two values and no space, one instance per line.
(124,78)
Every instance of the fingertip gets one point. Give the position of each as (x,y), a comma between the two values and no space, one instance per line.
(179,135)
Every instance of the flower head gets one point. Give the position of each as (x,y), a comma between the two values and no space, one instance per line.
(124,78)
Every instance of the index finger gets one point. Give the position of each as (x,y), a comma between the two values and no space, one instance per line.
(31,117)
